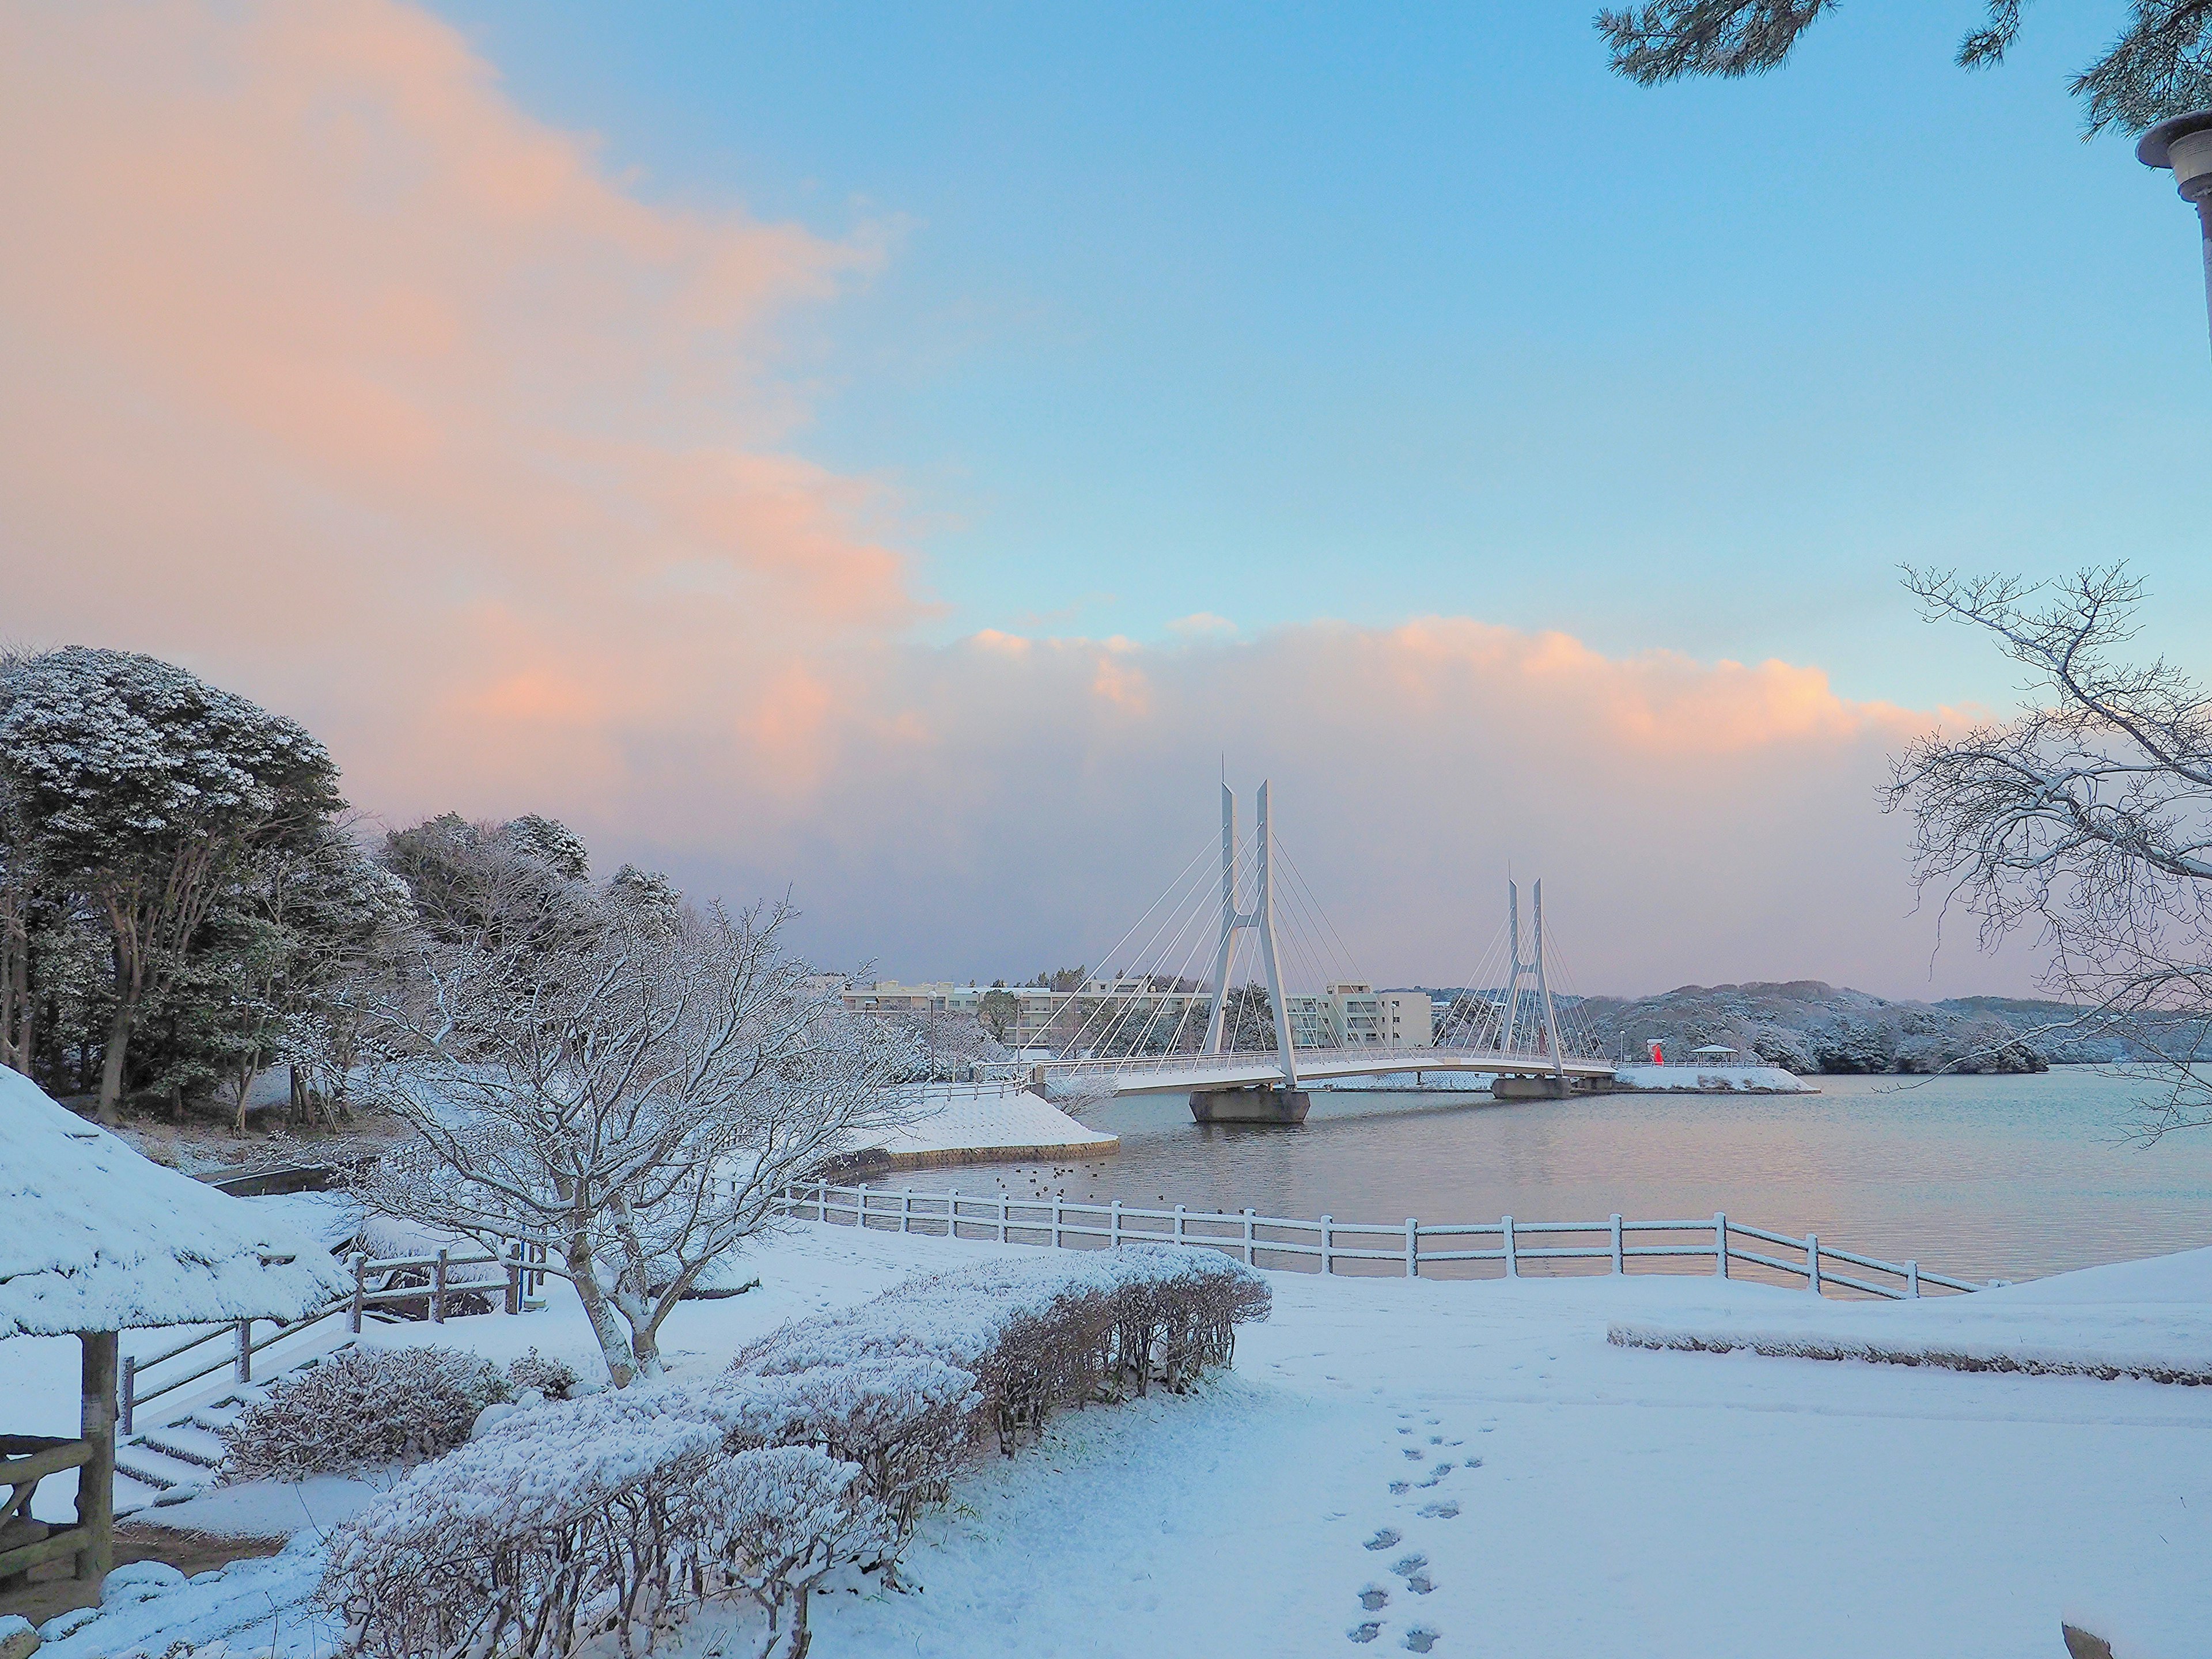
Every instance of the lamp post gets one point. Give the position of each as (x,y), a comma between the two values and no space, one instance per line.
(2184,145)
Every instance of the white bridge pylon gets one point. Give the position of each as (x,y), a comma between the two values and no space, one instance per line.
(1261,918)
(1518,1035)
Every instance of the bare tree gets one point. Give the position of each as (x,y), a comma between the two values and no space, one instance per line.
(2087,817)
(639,1097)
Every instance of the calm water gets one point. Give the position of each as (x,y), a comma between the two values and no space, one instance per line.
(1982,1177)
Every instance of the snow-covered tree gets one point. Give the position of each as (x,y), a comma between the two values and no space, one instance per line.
(640,1096)
(139,787)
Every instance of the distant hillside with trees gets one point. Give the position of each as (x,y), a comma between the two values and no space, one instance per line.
(1807,1026)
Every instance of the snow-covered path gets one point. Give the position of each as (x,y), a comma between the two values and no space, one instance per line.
(1598,1501)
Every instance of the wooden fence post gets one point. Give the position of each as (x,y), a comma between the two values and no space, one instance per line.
(1113,1225)
(1619,1265)
(514,1276)
(1812,1260)
(1058,1216)
(1720,1245)
(1412,1247)
(1248,1235)
(95,1483)
(245,1351)
(1327,1244)
(952,1213)
(126,1386)
(906,1209)
(1512,1260)
(1178,1223)
(860,1211)
(438,1288)
(1912,1279)
(1002,1218)
(359,1289)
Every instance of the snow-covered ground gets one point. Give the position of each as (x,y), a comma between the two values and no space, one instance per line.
(1715,1079)
(2150,1319)
(1472,1466)
(963,1122)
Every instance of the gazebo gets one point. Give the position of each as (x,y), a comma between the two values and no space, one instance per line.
(95,1239)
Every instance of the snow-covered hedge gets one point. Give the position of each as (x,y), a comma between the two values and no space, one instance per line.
(372,1405)
(568,1524)
(1053,1329)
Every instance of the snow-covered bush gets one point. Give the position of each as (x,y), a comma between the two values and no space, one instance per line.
(556,1379)
(575,1525)
(786,1516)
(906,1421)
(362,1406)
(565,1523)
(1052,1330)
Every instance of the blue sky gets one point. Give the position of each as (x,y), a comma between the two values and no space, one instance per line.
(782,441)
(1279,312)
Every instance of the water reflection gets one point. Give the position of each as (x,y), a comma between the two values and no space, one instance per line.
(1982,1177)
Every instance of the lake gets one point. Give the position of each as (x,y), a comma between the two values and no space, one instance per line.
(1981,1177)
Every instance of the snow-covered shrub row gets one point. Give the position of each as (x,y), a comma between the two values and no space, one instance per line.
(1036,1333)
(906,1421)
(567,1525)
(370,1405)
(562,1524)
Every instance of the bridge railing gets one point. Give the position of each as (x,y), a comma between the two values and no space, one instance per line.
(1407,1060)
(1329,1246)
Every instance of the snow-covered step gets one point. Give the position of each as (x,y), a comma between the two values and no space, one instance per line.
(186,1442)
(158,1469)
(132,1495)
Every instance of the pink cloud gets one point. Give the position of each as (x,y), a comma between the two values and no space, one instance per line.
(336,376)
(330,365)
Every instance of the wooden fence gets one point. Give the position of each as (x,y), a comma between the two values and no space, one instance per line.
(375,1287)
(1410,1245)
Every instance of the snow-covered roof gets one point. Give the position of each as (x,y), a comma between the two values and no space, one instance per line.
(95,1237)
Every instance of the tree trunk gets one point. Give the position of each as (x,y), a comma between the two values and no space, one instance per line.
(119,1042)
(583,1274)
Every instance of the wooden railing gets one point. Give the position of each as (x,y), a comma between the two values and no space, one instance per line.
(1289,1241)
(521,1280)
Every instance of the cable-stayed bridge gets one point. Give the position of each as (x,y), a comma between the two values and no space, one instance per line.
(1173,1019)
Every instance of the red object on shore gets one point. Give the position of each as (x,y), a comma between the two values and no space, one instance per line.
(1657,1059)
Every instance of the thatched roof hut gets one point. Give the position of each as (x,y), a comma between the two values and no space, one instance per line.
(95,1239)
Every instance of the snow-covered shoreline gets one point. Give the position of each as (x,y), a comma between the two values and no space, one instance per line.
(1711,1080)
(983,1123)
(1600,1499)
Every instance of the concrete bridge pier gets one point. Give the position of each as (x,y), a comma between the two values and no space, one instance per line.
(1263,1102)
(1532,1088)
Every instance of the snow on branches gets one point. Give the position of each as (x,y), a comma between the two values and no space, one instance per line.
(638,1094)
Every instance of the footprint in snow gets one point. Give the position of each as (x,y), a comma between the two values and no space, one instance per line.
(1384,1537)
(1443,1469)
(1375,1598)
(1401,1486)
(1435,1440)
(1407,1566)
(1414,1452)
(1419,1582)
(1420,1639)
(1440,1511)
(1405,1431)
(1366,1632)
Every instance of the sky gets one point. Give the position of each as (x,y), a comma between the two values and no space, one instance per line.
(904,456)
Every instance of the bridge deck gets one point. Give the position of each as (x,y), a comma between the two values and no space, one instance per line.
(1178,1074)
